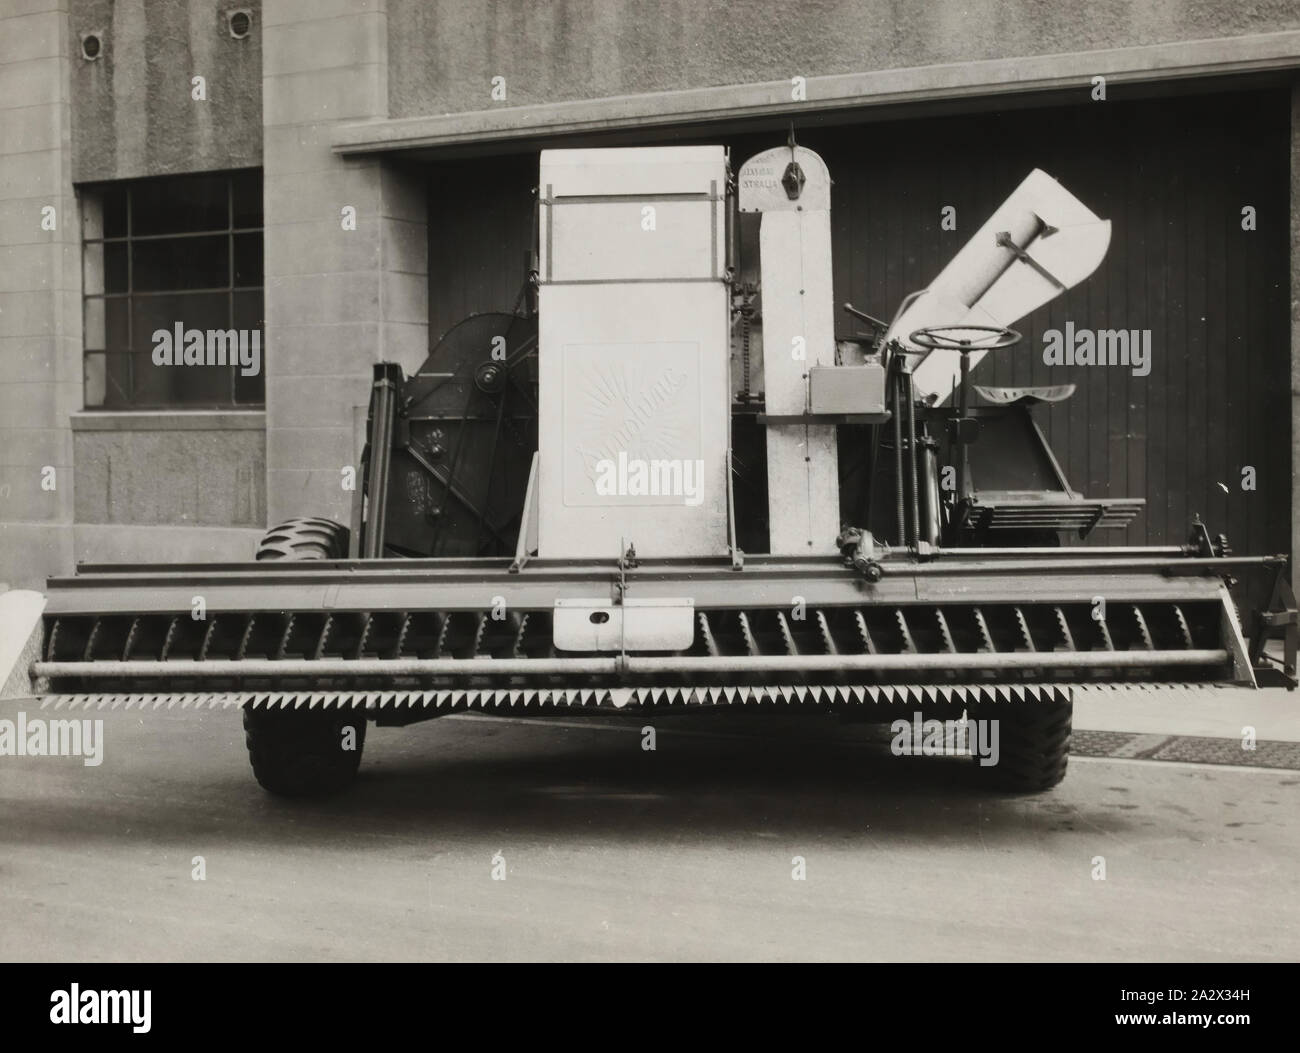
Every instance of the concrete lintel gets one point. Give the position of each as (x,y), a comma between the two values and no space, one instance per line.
(164,543)
(1255,53)
(169,420)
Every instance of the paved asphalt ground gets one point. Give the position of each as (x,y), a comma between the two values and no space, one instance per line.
(611,852)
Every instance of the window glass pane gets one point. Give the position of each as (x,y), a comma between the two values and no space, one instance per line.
(94,376)
(92,269)
(247,194)
(94,336)
(251,391)
(248,317)
(181,385)
(248,310)
(174,382)
(248,259)
(147,281)
(104,268)
(108,380)
(179,205)
(183,263)
(115,271)
(117,318)
(190,310)
(113,203)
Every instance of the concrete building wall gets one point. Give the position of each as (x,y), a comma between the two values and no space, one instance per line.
(137,469)
(40,292)
(133,111)
(337,298)
(444,53)
(170,484)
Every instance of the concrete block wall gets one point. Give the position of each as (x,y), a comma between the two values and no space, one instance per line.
(444,53)
(150,52)
(40,293)
(337,299)
(139,469)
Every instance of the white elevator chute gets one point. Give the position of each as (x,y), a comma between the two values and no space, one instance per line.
(1041,241)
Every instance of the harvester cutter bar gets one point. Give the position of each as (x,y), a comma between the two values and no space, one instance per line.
(696,696)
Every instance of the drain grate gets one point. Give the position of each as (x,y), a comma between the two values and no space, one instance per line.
(1193,749)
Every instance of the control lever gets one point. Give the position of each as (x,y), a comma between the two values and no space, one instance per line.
(865,317)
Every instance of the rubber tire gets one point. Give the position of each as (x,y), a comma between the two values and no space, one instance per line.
(305,538)
(1033,745)
(299,753)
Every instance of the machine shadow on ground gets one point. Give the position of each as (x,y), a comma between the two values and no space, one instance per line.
(816,778)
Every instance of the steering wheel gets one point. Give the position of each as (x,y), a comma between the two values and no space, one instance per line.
(965,338)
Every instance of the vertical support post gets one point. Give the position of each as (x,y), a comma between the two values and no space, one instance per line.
(896,387)
(383,401)
(790,186)
(914,497)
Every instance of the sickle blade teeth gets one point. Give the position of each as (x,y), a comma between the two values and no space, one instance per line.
(130,638)
(1099,619)
(89,651)
(444,630)
(1147,643)
(909,645)
(521,627)
(787,637)
(944,631)
(706,634)
(1067,638)
(828,641)
(868,644)
(242,650)
(284,637)
(208,634)
(1022,624)
(325,631)
(363,636)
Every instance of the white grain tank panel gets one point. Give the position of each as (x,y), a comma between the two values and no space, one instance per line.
(632,170)
(594,225)
(615,240)
(635,404)
(634,399)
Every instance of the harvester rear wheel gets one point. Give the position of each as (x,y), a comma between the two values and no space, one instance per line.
(1034,745)
(305,538)
(298,753)
(304,753)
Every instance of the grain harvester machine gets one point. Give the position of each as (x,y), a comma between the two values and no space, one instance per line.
(670,486)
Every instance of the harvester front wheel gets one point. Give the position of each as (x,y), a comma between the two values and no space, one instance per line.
(304,753)
(1034,747)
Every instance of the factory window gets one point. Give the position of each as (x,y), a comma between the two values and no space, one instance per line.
(172,277)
